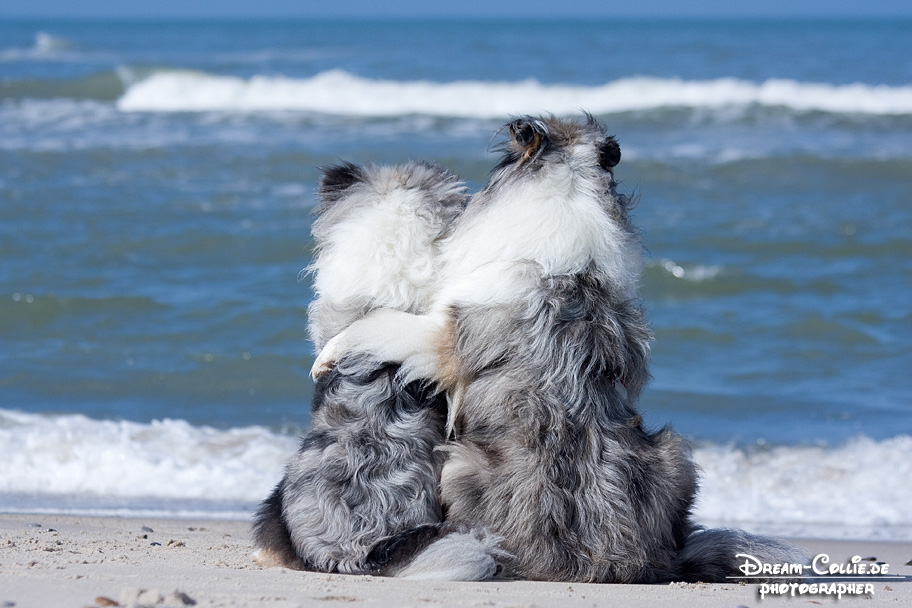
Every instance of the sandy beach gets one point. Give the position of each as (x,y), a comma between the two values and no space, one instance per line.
(52,560)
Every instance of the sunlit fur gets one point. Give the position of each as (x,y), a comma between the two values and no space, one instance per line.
(365,478)
(538,336)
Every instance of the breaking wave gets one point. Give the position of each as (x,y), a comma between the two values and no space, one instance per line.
(47,460)
(76,455)
(812,491)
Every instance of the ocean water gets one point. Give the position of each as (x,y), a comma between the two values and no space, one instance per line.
(156,195)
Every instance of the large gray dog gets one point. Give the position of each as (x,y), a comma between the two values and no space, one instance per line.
(537,336)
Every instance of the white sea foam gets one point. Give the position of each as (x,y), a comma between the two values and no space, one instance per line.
(50,463)
(76,455)
(338,92)
(695,273)
(857,489)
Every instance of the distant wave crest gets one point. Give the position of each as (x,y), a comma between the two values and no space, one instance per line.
(341,93)
(47,43)
(46,46)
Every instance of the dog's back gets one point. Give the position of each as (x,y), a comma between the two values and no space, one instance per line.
(365,477)
(552,455)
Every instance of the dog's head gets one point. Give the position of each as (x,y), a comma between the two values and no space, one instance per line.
(431,193)
(564,169)
(532,140)
(556,182)
(376,234)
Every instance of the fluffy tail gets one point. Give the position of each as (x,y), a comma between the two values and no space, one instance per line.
(711,556)
(452,556)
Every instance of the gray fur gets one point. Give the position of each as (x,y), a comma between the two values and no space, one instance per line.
(551,474)
(545,360)
(367,472)
(551,454)
(464,556)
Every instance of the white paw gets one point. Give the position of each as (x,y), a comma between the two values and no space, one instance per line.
(326,360)
(321,367)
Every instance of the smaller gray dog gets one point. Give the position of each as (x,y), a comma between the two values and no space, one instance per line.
(363,486)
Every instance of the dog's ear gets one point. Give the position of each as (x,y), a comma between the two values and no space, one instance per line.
(526,137)
(339,178)
(609,153)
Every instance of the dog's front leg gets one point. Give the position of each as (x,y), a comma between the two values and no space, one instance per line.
(389,336)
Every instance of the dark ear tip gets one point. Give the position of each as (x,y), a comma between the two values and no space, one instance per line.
(339,178)
(522,132)
(526,135)
(609,153)
(518,123)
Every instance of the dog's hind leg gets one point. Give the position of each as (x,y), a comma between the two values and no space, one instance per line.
(458,550)
(270,533)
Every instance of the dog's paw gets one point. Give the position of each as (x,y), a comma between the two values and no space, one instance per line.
(321,367)
(326,360)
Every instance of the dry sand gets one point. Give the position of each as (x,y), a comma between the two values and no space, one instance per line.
(64,561)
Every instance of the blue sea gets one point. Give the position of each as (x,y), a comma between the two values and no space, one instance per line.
(156,193)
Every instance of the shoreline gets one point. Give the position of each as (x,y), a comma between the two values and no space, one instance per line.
(65,560)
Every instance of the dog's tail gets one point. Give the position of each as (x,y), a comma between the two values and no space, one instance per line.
(425,554)
(718,555)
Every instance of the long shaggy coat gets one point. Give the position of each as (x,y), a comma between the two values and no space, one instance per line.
(363,484)
(538,337)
